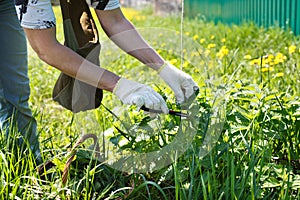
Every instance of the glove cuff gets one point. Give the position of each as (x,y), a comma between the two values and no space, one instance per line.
(124,87)
(117,86)
(162,67)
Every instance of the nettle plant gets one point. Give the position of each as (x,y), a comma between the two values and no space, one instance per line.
(137,131)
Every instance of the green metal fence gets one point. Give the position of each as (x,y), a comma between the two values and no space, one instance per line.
(283,13)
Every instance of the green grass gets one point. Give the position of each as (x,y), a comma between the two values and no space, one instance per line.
(256,155)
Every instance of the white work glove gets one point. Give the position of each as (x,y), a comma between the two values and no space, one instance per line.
(181,83)
(133,93)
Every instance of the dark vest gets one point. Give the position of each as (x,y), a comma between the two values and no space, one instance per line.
(81,36)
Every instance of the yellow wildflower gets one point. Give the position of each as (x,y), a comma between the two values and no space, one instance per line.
(279,58)
(223,52)
(131,13)
(280,74)
(210,46)
(266,60)
(247,57)
(263,62)
(202,41)
(187,33)
(140,18)
(255,61)
(267,69)
(196,37)
(270,59)
(196,70)
(186,64)
(220,55)
(212,37)
(226,139)
(223,40)
(49,68)
(271,63)
(292,49)
(173,61)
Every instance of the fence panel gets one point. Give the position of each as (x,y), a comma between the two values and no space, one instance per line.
(283,13)
(297,22)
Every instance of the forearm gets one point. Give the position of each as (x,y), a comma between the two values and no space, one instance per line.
(123,33)
(69,62)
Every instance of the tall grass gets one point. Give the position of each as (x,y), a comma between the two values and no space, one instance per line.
(255,157)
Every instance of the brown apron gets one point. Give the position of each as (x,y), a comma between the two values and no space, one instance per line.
(81,36)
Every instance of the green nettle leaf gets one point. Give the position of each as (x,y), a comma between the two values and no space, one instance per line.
(115,139)
(145,121)
(127,146)
(239,118)
(297,114)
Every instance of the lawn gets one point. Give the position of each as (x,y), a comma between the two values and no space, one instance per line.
(241,140)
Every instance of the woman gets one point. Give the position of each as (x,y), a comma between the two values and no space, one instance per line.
(38,21)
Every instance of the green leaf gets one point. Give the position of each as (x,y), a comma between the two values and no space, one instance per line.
(116,139)
(271,183)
